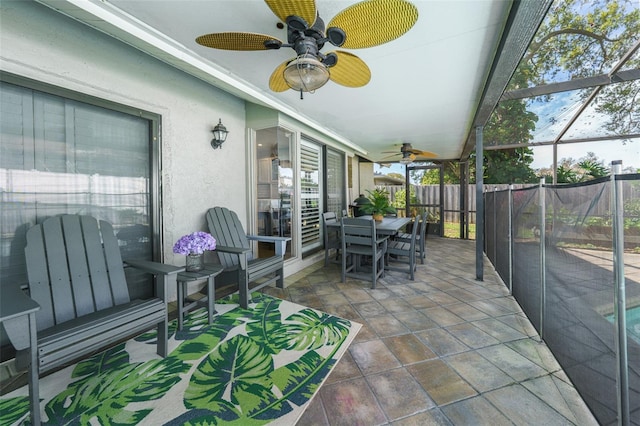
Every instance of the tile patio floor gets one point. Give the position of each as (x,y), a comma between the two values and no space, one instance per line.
(444,349)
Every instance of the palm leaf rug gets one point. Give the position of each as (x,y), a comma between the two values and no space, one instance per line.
(251,367)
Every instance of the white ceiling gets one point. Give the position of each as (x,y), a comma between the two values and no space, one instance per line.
(425,87)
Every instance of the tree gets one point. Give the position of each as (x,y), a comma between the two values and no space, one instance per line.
(571,171)
(584,38)
(451,174)
(510,123)
(396,175)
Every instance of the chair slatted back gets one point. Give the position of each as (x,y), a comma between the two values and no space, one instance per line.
(74,268)
(226,228)
(359,231)
(331,239)
(423,226)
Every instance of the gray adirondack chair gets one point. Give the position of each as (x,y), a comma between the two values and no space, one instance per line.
(76,275)
(235,253)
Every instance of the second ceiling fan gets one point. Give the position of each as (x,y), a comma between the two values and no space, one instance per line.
(365,24)
(408,154)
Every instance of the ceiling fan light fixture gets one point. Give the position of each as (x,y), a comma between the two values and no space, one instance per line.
(306,74)
(407,158)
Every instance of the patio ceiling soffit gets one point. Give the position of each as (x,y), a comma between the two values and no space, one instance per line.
(110,20)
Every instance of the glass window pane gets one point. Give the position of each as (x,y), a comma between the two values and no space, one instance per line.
(335,182)
(63,156)
(310,193)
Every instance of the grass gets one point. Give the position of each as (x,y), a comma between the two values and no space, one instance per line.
(452,230)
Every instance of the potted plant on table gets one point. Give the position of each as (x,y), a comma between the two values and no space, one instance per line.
(380,204)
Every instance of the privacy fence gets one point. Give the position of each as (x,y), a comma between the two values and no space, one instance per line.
(570,255)
(430,195)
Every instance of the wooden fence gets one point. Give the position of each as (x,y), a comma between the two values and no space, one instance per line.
(430,194)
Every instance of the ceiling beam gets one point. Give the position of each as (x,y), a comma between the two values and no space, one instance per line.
(562,142)
(565,86)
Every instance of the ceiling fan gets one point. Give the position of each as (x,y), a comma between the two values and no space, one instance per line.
(409,154)
(365,24)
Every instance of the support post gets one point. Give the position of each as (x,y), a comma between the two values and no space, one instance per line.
(479,204)
(543,274)
(462,202)
(620,310)
(510,238)
(495,226)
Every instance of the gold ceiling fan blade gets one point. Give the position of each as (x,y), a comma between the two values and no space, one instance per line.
(349,71)
(426,154)
(306,9)
(401,147)
(235,41)
(276,81)
(373,22)
(391,156)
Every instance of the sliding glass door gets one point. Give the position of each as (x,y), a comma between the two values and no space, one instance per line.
(315,184)
(275,186)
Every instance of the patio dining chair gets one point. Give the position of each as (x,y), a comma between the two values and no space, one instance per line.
(402,251)
(421,223)
(331,237)
(360,241)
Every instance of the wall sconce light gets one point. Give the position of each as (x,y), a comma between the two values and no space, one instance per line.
(219,135)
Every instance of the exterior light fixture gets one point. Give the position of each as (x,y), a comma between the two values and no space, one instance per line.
(219,135)
(306,74)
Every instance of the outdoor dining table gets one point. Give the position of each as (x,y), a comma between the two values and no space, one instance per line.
(389,225)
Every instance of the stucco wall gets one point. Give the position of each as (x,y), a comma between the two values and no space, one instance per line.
(43,45)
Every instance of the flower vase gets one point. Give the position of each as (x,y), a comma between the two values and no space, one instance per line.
(195,262)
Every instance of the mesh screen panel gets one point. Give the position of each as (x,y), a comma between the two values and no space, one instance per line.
(489,226)
(631,200)
(579,292)
(526,252)
(501,229)
(577,319)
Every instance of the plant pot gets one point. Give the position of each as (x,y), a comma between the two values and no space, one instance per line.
(378,217)
(433,228)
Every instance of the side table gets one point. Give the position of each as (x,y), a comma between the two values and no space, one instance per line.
(209,272)
(18,315)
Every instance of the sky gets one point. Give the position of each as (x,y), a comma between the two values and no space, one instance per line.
(607,151)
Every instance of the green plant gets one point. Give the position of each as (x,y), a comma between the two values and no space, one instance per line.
(400,201)
(380,203)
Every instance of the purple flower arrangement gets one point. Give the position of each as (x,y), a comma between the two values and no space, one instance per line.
(194,243)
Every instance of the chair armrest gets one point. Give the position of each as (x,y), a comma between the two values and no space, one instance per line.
(268,239)
(233,250)
(242,252)
(279,242)
(16,308)
(154,267)
(15,303)
(162,272)
(380,239)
